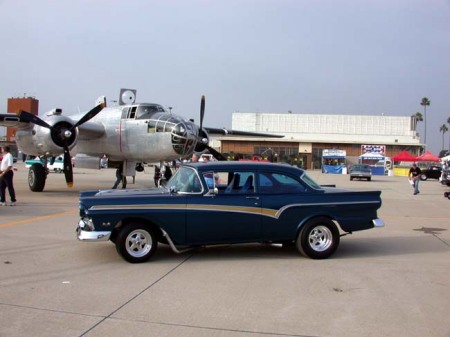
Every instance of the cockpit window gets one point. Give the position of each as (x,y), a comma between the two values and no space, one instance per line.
(147,111)
(125,112)
(161,122)
(132,112)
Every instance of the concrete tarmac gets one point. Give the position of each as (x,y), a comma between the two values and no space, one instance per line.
(391,281)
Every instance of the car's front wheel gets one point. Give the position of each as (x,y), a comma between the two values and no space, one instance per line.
(423,176)
(136,243)
(318,239)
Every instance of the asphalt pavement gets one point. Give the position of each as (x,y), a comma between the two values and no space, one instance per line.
(391,281)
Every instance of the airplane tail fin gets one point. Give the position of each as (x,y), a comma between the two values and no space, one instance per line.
(101,100)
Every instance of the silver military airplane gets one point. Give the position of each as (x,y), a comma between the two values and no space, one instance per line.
(130,134)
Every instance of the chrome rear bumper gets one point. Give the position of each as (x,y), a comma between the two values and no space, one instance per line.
(378,222)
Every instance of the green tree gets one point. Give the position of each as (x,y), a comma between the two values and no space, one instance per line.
(425,102)
(418,118)
(443,129)
(448,122)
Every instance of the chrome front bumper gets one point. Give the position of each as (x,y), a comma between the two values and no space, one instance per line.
(378,222)
(88,235)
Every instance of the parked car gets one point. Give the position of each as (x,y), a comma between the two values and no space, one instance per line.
(226,203)
(360,171)
(56,166)
(431,172)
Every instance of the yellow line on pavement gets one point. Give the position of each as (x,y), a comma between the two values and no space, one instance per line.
(39,218)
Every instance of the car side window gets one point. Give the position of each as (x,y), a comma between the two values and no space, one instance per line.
(276,183)
(240,183)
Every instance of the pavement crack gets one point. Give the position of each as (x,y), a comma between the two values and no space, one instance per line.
(138,294)
(219,329)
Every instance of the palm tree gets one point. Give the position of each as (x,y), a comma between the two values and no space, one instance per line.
(448,122)
(425,102)
(418,117)
(443,129)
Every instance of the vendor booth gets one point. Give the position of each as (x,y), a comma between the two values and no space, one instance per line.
(375,161)
(402,163)
(334,161)
(428,157)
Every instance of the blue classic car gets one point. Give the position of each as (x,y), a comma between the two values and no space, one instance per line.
(227,202)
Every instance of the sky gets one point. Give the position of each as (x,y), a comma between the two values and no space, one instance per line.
(358,57)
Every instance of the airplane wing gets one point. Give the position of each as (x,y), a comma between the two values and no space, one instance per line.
(13,120)
(240,133)
(86,130)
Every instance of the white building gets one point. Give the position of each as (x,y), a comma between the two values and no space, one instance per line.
(313,128)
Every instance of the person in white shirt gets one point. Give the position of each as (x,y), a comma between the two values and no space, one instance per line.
(6,177)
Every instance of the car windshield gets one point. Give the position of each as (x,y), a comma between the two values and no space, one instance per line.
(185,180)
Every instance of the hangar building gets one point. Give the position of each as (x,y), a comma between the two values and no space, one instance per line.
(307,135)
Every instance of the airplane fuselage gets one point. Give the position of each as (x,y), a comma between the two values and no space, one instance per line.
(135,133)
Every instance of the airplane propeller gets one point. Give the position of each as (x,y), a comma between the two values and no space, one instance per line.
(216,154)
(63,134)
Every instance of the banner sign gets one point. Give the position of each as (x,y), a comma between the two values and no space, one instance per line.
(381,149)
(334,153)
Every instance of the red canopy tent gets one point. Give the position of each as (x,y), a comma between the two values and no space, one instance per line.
(404,156)
(428,156)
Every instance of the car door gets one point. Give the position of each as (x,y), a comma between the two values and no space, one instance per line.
(231,215)
(284,201)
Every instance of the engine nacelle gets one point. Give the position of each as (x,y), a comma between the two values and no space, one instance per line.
(39,141)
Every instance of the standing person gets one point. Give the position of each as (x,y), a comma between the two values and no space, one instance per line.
(6,176)
(414,174)
(157,176)
(444,172)
(104,162)
(166,172)
(120,178)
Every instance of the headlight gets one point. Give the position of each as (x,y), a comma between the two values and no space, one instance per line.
(86,224)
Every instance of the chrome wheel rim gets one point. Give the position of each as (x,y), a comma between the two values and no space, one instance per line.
(138,243)
(320,238)
(31,177)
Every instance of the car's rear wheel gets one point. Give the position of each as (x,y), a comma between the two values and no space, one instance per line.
(318,239)
(423,176)
(136,243)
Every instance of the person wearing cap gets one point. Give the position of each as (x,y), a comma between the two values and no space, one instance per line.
(414,175)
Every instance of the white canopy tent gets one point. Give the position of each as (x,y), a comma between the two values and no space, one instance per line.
(446,158)
(371,156)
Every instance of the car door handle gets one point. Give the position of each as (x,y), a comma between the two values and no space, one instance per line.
(252,197)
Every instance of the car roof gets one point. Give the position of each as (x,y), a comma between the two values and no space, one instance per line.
(244,165)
